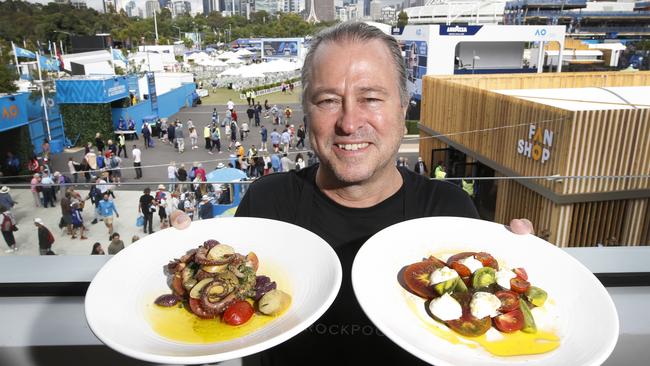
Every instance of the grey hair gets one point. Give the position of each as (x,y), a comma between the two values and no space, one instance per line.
(355,32)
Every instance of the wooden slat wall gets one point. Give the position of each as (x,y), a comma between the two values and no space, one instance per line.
(514,201)
(427,144)
(550,80)
(609,143)
(449,108)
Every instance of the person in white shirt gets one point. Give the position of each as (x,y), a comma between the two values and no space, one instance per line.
(230,104)
(137,161)
(91,158)
(72,168)
(171,176)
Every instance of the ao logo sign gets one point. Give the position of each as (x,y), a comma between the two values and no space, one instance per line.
(10,113)
(541,32)
(538,145)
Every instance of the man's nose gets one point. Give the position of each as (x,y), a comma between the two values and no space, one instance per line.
(351,117)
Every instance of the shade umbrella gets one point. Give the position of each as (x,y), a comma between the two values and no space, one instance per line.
(225,175)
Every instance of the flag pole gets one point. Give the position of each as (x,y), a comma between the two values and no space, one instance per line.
(113,60)
(13,47)
(47,119)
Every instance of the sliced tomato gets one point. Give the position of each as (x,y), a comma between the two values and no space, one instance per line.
(417,278)
(462,269)
(238,313)
(518,285)
(487,260)
(521,273)
(469,326)
(509,322)
(509,301)
(177,286)
(195,306)
(459,256)
(436,260)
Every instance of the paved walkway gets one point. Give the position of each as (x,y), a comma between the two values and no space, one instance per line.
(27,237)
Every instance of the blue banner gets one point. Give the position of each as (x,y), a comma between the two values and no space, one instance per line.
(21,52)
(459,30)
(90,91)
(151,81)
(117,55)
(49,64)
(13,109)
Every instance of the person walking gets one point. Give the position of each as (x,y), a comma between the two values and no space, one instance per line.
(180,138)
(5,198)
(264,133)
(45,237)
(181,176)
(146,134)
(216,140)
(147,207)
(250,113)
(106,209)
(99,142)
(137,161)
(301,136)
(66,212)
(207,135)
(35,187)
(419,167)
(171,175)
(233,134)
(257,113)
(285,141)
(275,140)
(171,134)
(47,186)
(8,226)
(77,222)
(194,138)
(121,145)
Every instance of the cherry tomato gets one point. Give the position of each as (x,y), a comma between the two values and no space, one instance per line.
(416,277)
(195,306)
(238,313)
(462,269)
(510,322)
(459,256)
(487,260)
(509,301)
(177,286)
(521,273)
(519,285)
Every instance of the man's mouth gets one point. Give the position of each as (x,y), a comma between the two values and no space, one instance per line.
(352,147)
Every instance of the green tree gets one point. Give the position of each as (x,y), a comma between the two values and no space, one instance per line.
(8,73)
(402,19)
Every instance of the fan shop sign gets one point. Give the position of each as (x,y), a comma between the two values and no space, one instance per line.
(537,146)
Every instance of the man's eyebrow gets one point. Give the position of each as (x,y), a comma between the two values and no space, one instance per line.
(373,89)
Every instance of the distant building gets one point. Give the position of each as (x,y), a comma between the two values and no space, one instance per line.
(115,5)
(269,6)
(210,5)
(151,6)
(388,14)
(131,9)
(79,4)
(181,7)
(347,12)
(323,10)
(289,6)
(375,9)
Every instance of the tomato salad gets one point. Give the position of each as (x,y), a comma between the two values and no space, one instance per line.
(470,294)
(214,281)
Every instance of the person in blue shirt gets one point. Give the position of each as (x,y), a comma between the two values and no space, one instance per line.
(121,125)
(275,163)
(106,208)
(264,132)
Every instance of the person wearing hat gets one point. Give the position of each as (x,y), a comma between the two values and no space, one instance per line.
(5,198)
(8,226)
(205,208)
(239,150)
(45,237)
(161,201)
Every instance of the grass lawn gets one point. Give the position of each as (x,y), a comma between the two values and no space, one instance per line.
(222,95)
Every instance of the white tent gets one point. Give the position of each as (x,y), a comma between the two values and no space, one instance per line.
(234,61)
(211,62)
(226,55)
(242,52)
(198,56)
(231,72)
(251,74)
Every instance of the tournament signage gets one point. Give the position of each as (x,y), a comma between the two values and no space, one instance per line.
(153,97)
(538,145)
(459,30)
(13,109)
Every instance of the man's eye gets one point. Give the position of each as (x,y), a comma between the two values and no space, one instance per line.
(327,102)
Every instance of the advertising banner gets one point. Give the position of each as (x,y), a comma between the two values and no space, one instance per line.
(280,48)
(416,66)
(14,111)
(153,97)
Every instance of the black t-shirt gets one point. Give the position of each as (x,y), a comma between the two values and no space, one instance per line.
(344,335)
(145,203)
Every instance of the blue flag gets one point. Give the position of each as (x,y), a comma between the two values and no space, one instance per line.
(21,52)
(49,64)
(117,55)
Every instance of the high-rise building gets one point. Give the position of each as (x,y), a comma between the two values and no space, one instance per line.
(130,9)
(181,7)
(111,4)
(269,6)
(210,5)
(323,10)
(151,6)
(289,6)
(79,4)
(348,12)
(165,4)
(388,14)
(366,7)
(375,9)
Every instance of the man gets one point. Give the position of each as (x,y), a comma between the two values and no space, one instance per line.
(121,146)
(205,208)
(257,112)
(216,140)
(420,168)
(5,198)
(106,209)
(180,138)
(230,105)
(301,136)
(137,161)
(275,140)
(207,136)
(356,108)
(147,206)
(265,135)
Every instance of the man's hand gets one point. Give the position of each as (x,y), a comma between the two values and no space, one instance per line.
(522,226)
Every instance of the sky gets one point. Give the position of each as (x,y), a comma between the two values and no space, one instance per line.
(197,5)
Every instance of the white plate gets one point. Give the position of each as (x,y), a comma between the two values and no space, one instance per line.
(118,295)
(588,323)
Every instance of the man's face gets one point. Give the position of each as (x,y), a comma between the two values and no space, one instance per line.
(353,103)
